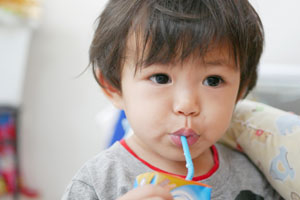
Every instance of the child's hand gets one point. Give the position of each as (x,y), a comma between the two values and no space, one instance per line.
(148,192)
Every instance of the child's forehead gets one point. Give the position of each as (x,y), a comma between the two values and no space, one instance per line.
(215,54)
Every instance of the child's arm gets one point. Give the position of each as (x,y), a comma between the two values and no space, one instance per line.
(148,192)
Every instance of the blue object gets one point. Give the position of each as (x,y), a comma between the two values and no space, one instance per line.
(4,118)
(188,158)
(282,174)
(287,123)
(192,192)
(119,130)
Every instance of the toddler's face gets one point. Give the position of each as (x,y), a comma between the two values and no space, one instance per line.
(194,98)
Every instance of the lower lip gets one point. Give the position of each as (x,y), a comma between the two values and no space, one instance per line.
(190,139)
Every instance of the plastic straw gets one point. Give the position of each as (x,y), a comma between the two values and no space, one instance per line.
(188,158)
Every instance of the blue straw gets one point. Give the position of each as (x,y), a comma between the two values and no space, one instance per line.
(188,158)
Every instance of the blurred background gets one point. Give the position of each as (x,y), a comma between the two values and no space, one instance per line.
(56,119)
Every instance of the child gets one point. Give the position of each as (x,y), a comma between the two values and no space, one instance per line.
(176,67)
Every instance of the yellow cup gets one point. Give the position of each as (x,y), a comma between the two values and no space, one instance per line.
(181,189)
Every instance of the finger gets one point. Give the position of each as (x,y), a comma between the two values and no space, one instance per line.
(151,191)
(154,198)
(170,187)
(166,184)
(157,191)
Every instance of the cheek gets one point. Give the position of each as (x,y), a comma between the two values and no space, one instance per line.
(144,112)
(217,128)
(143,98)
(219,119)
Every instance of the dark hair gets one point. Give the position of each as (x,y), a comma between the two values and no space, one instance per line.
(172,29)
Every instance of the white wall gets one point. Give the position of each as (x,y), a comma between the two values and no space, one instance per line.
(58,130)
(282,30)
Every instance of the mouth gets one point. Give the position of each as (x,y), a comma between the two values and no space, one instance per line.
(191,136)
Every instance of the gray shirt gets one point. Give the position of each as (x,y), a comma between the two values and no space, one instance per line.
(112,173)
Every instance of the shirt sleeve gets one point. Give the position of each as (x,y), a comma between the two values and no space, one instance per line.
(78,190)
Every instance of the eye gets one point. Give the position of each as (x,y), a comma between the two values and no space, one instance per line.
(160,78)
(213,81)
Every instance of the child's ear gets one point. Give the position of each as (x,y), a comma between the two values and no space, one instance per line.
(113,94)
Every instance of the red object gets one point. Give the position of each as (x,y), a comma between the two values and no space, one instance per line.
(198,178)
(259,132)
(9,169)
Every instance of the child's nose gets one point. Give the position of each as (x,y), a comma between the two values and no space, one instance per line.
(187,104)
